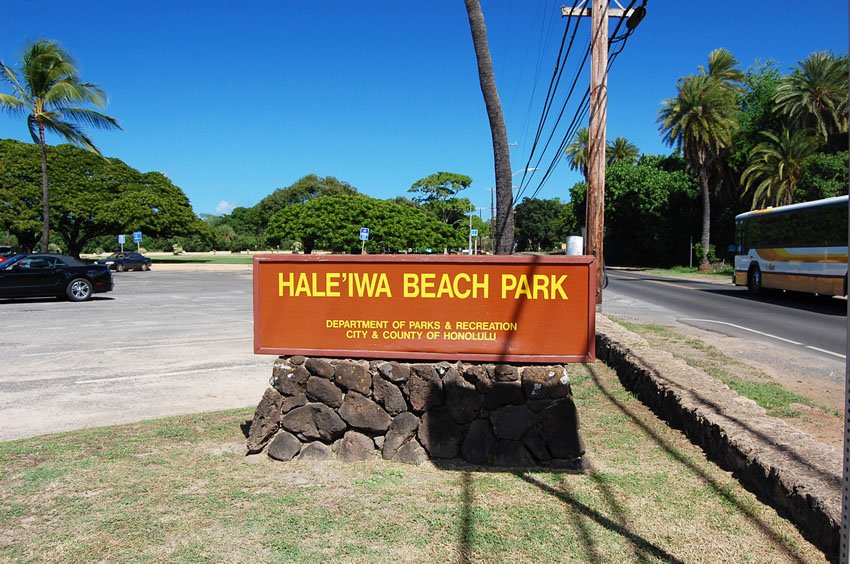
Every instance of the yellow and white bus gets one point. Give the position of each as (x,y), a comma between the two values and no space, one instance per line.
(801,247)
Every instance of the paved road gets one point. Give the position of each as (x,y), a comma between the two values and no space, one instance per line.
(807,324)
(162,343)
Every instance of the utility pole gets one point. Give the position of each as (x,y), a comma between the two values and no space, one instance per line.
(599,14)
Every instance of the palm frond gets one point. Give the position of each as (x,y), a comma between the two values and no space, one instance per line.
(91,117)
(69,131)
(11,104)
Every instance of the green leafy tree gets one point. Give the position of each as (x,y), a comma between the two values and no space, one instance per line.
(823,175)
(93,196)
(20,193)
(540,224)
(437,193)
(815,95)
(776,165)
(649,210)
(621,149)
(333,223)
(49,91)
(302,190)
(700,122)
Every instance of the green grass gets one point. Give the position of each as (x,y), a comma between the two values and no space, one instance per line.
(181,489)
(203,259)
(719,272)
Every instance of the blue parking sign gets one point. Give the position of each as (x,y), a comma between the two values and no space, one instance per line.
(364,233)
(121,239)
(137,236)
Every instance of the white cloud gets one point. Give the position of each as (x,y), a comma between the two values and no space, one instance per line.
(224,207)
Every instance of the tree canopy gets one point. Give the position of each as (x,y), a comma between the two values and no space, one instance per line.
(93,196)
(333,223)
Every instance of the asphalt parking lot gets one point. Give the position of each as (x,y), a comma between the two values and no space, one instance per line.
(162,343)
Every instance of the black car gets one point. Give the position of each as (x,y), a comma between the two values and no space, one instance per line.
(42,274)
(126,261)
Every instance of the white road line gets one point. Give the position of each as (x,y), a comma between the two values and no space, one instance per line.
(742,328)
(156,346)
(166,374)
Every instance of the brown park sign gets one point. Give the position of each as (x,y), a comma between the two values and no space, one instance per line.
(491,309)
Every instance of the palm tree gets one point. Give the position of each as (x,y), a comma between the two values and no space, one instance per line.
(48,90)
(621,149)
(775,166)
(721,67)
(700,121)
(578,151)
(504,228)
(815,95)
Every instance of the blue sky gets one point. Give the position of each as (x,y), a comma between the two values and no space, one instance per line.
(234,99)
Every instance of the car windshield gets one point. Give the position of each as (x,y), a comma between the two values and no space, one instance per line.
(10,261)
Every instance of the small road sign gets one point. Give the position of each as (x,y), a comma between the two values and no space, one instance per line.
(137,236)
(121,239)
(364,233)
(473,232)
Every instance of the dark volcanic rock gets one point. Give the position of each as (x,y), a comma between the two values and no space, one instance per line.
(560,426)
(411,453)
(324,391)
(504,393)
(290,380)
(439,434)
(266,420)
(512,421)
(463,402)
(354,376)
(296,360)
(511,454)
(315,451)
(300,422)
(505,373)
(401,430)
(284,447)
(329,425)
(480,377)
(424,388)
(535,442)
(354,447)
(362,413)
(292,402)
(545,382)
(388,395)
(394,372)
(478,443)
(320,368)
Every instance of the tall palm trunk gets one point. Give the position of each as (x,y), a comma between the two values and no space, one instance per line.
(45,194)
(504,228)
(706,213)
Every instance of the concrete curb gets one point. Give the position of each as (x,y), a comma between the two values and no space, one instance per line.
(800,477)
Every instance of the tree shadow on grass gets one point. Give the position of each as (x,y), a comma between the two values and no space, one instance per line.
(776,537)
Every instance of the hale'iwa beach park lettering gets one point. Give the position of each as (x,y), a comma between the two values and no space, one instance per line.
(518,308)
(426,285)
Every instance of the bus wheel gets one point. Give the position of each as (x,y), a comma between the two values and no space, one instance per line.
(754,281)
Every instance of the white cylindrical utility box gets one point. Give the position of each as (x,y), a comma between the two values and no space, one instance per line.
(575,245)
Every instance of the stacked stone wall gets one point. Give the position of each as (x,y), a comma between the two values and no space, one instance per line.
(498,415)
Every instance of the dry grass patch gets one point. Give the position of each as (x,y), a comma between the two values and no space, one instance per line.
(180,490)
(795,408)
